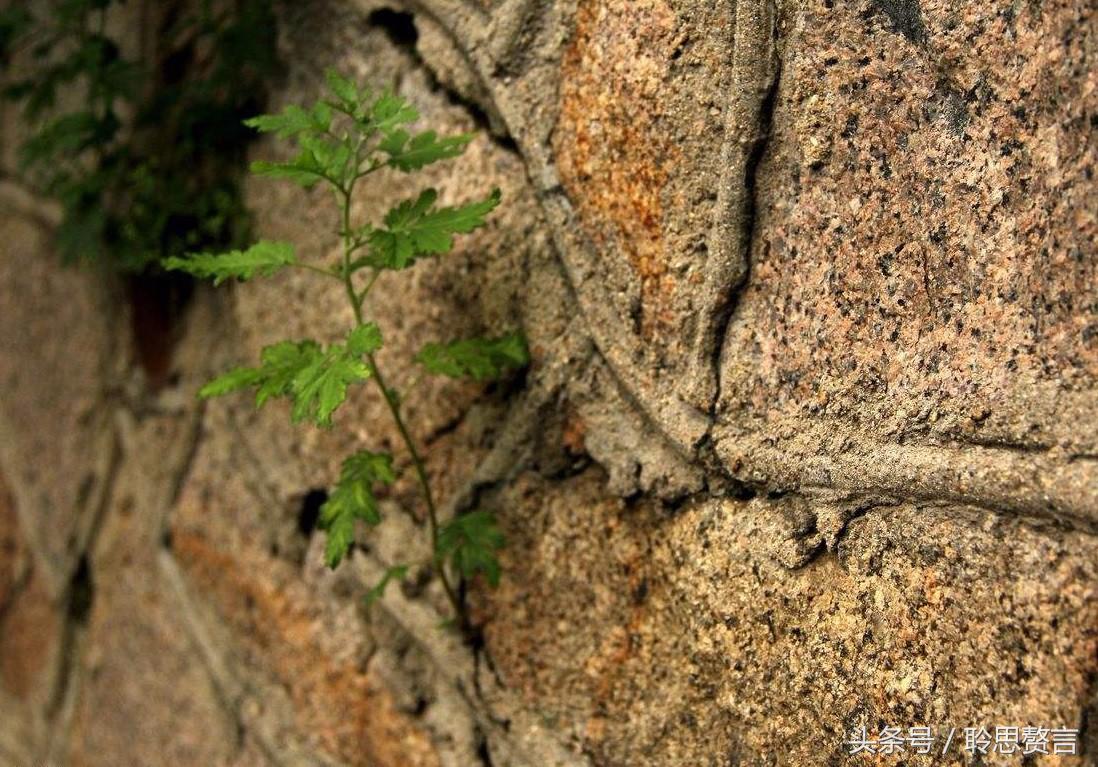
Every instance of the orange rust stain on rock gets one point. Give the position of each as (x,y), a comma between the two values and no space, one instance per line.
(353,715)
(623,642)
(29,634)
(12,551)
(613,156)
(29,623)
(574,433)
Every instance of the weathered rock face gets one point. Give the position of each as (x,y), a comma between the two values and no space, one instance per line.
(808,443)
(923,269)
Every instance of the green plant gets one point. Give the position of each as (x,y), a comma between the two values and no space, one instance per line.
(340,141)
(142,144)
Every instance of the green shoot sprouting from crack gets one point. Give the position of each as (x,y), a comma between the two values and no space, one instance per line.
(341,140)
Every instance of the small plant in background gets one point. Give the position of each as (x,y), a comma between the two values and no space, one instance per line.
(144,151)
(341,140)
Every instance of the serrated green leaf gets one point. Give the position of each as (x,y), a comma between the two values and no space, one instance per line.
(292,121)
(353,499)
(234,380)
(263,258)
(414,229)
(470,542)
(321,386)
(343,89)
(395,573)
(413,153)
(303,170)
(314,378)
(389,111)
(279,365)
(365,467)
(340,529)
(282,362)
(481,359)
(322,115)
(328,156)
(320,158)
(393,141)
(365,339)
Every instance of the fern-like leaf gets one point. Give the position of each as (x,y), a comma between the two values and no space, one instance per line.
(415,228)
(481,359)
(353,499)
(471,542)
(234,380)
(263,258)
(389,111)
(321,386)
(408,153)
(314,378)
(345,91)
(293,121)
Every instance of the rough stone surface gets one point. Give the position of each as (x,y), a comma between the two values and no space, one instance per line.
(61,377)
(961,310)
(807,443)
(744,635)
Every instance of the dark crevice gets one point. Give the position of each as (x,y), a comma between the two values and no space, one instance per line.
(993,443)
(906,17)
(79,599)
(480,117)
(445,429)
(309,514)
(751,170)
(158,303)
(562,470)
(81,593)
(755,157)
(400,28)
(484,755)
(474,640)
(741,491)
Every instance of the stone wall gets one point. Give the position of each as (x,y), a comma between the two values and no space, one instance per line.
(808,442)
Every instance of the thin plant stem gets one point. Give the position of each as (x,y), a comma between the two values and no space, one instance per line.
(394,406)
(424,482)
(317,270)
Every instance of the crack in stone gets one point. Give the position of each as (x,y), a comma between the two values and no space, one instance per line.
(456,664)
(748,120)
(485,116)
(60,705)
(231,691)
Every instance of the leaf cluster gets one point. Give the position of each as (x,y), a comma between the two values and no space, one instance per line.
(471,542)
(351,133)
(353,500)
(313,377)
(481,359)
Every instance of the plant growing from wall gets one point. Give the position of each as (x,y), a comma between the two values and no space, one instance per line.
(341,140)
